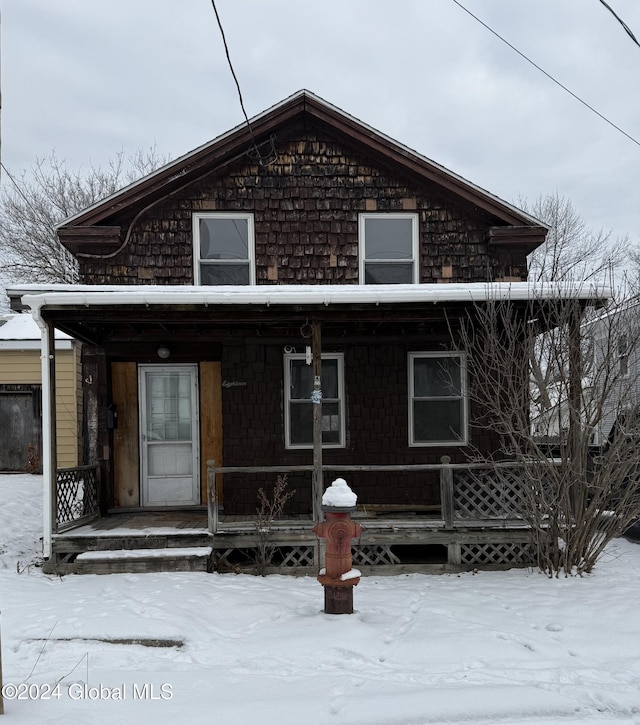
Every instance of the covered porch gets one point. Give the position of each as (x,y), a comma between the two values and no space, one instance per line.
(424,507)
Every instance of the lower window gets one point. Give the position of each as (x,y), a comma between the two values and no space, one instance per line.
(298,385)
(437,393)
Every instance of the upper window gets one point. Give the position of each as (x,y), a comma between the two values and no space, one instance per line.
(298,382)
(388,248)
(223,248)
(437,390)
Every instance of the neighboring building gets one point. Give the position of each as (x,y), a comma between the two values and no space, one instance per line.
(21,396)
(614,347)
(220,291)
(610,381)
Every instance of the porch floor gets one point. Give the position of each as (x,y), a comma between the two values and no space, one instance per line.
(184,523)
(392,542)
(142,523)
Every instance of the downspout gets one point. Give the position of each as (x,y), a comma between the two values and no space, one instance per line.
(577,443)
(47,359)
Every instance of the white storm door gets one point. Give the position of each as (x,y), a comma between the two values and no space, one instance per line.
(169,435)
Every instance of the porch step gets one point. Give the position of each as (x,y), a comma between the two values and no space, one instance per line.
(133,561)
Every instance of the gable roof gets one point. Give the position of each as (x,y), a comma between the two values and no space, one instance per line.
(235,143)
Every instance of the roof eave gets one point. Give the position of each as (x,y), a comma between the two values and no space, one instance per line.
(186,166)
(226,147)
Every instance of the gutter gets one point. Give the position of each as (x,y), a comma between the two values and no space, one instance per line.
(305,295)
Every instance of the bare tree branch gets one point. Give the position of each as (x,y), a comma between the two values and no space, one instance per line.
(571,251)
(32,204)
(581,477)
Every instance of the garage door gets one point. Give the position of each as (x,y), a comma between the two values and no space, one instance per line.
(21,428)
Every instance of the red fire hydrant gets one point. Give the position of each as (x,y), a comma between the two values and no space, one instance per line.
(338,577)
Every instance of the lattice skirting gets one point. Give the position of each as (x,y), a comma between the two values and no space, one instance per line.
(284,557)
(289,557)
(505,553)
(302,556)
(373,555)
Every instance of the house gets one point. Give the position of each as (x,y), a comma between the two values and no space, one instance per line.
(21,396)
(284,300)
(613,369)
(610,380)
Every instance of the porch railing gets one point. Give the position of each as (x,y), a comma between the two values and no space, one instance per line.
(77,496)
(212,488)
(471,494)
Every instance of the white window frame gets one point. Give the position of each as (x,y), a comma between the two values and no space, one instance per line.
(198,261)
(463,398)
(413,217)
(288,357)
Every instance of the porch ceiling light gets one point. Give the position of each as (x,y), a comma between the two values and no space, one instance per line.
(163,352)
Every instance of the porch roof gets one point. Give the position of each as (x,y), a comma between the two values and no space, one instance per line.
(133,313)
(38,297)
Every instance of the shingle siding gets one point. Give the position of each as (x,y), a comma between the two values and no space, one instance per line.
(305,208)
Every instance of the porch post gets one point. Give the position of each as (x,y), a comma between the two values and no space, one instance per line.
(50,504)
(577,451)
(316,398)
(212,498)
(447,501)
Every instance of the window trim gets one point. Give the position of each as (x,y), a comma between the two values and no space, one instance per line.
(463,398)
(288,357)
(362,261)
(198,261)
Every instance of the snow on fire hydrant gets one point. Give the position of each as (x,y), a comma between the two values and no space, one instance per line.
(338,577)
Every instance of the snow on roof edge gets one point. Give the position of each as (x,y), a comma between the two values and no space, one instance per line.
(24,327)
(110,295)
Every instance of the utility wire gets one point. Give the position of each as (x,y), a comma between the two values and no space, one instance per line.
(233,73)
(14,182)
(255,153)
(550,77)
(621,21)
(20,191)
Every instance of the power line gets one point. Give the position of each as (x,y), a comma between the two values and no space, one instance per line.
(621,21)
(233,73)
(548,75)
(254,151)
(20,191)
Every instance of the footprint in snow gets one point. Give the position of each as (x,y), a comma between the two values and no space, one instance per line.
(516,640)
(554,627)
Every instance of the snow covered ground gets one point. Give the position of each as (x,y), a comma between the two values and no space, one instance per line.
(508,647)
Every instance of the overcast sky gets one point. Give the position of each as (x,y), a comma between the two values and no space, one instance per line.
(90,77)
